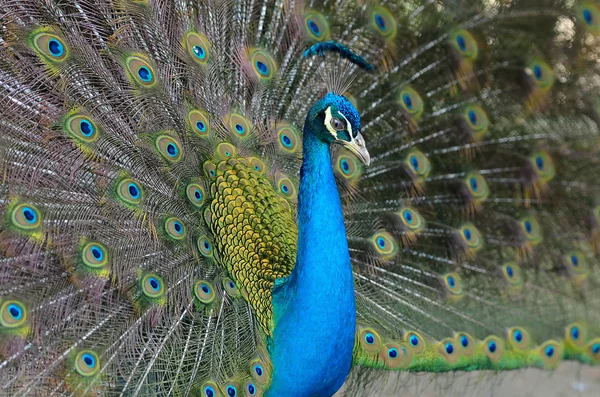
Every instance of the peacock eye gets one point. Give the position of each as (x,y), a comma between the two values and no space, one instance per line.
(337,124)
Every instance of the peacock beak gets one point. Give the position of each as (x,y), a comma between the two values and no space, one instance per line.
(357,146)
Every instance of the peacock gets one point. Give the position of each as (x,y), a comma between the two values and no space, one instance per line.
(226,198)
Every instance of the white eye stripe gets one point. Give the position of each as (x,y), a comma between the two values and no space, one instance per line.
(348,125)
(328,118)
(331,130)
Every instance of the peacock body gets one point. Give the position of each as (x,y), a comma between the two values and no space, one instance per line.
(189,207)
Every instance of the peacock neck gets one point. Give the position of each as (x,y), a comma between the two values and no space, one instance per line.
(315,309)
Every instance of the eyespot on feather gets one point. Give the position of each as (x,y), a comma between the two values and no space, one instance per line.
(225,150)
(452,284)
(395,355)
(81,128)
(541,74)
(464,44)
(465,343)
(169,148)
(198,122)
(175,228)
(13,314)
(576,335)
(251,389)
(411,102)
(195,194)
(418,163)
(384,245)
(369,340)
(258,165)
(348,167)
(198,47)
(26,217)
(316,26)
(411,219)
(512,275)
(383,23)
(415,342)
(205,247)
(576,265)
(449,351)
(476,121)
(209,389)
(152,286)
(551,353)
(49,46)
(493,347)
(238,125)
(260,371)
(94,255)
(470,236)
(87,363)
(210,169)
(286,188)
(140,71)
(518,338)
(543,166)
(230,288)
(231,389)
(530,229)
(588,15)
(130,192)
(476,186)
(263,65)
(204,292)
(593,350)
(288,140)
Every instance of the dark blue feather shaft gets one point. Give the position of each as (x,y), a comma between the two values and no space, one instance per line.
(345,52)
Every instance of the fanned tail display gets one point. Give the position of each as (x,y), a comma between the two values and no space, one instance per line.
(183,181)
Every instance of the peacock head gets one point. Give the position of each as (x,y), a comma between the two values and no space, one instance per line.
(333,119)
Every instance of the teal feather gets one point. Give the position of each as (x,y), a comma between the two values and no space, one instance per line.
(155,236)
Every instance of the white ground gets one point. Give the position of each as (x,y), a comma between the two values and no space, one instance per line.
(569,380)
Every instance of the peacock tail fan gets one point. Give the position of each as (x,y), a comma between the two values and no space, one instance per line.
(150,155)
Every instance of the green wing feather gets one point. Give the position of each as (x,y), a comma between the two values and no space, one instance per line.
(255,233)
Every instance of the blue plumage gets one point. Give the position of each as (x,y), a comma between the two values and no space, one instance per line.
(317,300)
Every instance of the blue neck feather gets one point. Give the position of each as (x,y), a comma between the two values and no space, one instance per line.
(315,309)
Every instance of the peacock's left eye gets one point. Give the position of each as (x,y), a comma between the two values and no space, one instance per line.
(337,124)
